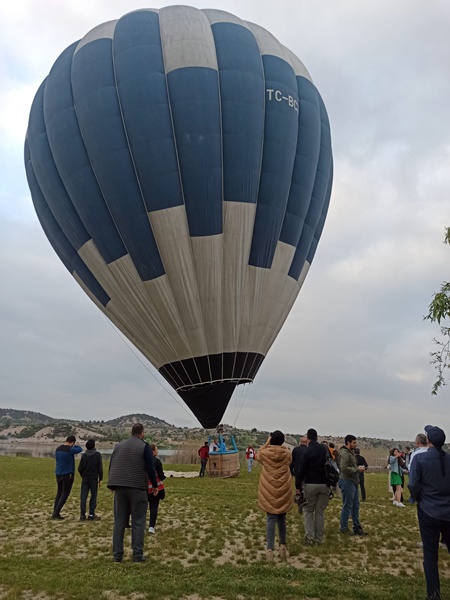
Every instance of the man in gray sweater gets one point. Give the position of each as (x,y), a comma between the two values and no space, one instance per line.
(130,469)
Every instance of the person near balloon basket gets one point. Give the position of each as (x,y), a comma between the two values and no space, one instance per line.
(275,490)
(153,501)
(203,453)
(250,455)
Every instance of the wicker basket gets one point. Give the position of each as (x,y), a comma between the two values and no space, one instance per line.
(224,464)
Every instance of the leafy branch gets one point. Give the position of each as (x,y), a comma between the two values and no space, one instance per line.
(438,311)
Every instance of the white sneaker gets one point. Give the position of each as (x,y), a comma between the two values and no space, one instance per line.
(399,504)
(151,530)
(394,502)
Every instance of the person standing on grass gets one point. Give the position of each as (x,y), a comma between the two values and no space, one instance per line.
(348,484)
(430,489)
(333,451)
(153,501)
(316,489)
(407,456)
(361,462)
(396,479)
(297,453)
(250,455)
(65,473)
(275,490)
(421,446)
(203,452)
(91,471)
(130,468)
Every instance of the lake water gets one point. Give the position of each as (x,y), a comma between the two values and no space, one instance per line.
(48,451)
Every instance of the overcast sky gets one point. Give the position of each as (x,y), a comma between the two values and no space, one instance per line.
(353,356)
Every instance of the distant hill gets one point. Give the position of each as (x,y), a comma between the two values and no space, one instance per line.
(34,427)
(146,420)
(22,417)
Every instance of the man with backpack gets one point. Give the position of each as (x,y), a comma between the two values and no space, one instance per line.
(91,471)
(313,475)
(348,484)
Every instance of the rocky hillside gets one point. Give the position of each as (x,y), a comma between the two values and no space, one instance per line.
(10,416)
(21,426)
(32,427)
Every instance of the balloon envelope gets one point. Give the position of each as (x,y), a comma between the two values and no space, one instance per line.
(180,164)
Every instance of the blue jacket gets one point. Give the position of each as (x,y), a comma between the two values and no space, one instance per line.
(395,466)
(429,487)
(65,459)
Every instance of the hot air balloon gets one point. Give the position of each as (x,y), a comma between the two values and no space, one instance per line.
(179,162)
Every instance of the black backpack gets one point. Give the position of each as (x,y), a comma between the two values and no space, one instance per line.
(331,472)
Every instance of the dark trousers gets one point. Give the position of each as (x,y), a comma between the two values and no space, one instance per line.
(362,486)
(129,502)
(88,485)
(271,523)
(203,463)
(153,504)
(64,483)
(430,531)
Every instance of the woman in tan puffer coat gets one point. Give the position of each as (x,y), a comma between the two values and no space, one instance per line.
(275,494)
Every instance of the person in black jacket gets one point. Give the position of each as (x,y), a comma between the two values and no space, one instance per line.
(65,471)
(153,500)
(361,462)
(91,471)
(296,455)
(316,488)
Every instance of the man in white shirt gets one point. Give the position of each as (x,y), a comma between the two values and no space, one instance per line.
(421,446)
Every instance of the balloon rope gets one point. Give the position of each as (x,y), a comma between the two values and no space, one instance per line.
(235,403)
(244,396)
(146,367)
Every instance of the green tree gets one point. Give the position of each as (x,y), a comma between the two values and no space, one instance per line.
(439,312)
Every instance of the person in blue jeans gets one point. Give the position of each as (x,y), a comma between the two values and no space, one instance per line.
(250,455)
(348,484)
(429,484)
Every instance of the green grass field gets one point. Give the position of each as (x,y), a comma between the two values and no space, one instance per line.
(209,544)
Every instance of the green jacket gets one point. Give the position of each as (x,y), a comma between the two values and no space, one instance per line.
(347,465)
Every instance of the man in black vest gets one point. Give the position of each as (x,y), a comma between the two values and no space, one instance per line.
(130,469)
